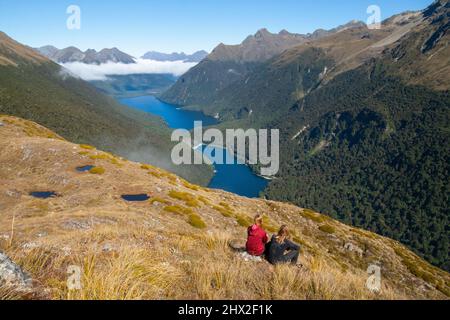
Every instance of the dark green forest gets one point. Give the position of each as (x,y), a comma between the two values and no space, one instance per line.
(376,156)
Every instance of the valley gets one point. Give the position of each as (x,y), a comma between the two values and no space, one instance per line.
(35,88)
(375,101)
(236,178)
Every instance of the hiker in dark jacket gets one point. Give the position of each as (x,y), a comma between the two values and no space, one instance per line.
(281,249)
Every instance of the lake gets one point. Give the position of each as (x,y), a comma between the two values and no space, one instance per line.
(235,178)
(175,117)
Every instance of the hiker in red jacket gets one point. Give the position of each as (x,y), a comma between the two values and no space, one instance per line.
(257,238)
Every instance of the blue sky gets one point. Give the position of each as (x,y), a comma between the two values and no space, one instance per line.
(137,26)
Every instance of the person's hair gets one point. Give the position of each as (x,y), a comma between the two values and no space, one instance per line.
(259,219)
(282,234)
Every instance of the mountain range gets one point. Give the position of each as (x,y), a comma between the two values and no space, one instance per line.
(175,56)
(228,63)
(363,114)
(90,56)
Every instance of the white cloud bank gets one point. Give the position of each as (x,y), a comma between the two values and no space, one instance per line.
(91,72)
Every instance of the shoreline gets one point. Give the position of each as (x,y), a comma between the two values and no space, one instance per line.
(196,146)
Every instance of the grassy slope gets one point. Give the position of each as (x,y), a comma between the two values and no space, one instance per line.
(159,249)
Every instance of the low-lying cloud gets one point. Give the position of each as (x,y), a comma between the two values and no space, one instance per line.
(90,72)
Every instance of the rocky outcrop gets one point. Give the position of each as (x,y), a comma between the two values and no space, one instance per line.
(12,276)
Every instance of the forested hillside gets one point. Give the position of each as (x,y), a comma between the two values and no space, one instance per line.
(364,119)
(379,161)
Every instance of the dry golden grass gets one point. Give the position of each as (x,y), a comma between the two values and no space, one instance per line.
(196,221)
(159,200)
(244,221)
(196,266)
(129,275)
(226,273)
(180,249)
(87,147)
(97,170)
(178,210)
(225,212)
(9,294)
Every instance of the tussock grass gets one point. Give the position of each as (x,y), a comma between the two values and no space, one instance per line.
(194,203)
(8,293)
(180,210)
(327,229)
(244,221)
(204,200)
(147,167)
(224,212)
(87,147)
(297,239)
(130,275)
(191,186)
(311,215)
(218,281)
(107,157)
(183,196)
(422,270)
(225,209)
(159,200)
(171,177)
(155,174)
(31,129)
(97,170)
(225,205)
(196,221)
(269,225)
(217,240)
(189,199)
(102,156)
(131,272)
(225,274)
(115,162)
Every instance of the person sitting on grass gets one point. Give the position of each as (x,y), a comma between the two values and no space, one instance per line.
(257,238)
(282,250)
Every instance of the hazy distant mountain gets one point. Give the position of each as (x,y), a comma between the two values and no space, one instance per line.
(320,33)
(132,85)
(91,56)
(175,56)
